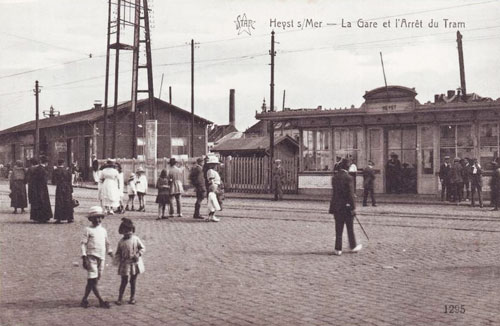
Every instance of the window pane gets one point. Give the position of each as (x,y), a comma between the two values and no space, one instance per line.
(464,136)
(448,136)
(486,156)
(410,138)
(488,135)
(427,137)
(394,139)
(317,150)
(375,138)
(409,157)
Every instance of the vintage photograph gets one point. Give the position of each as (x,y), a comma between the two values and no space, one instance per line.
(232,162)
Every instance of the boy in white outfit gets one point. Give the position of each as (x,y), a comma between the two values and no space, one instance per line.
(131,191)
(142,188)
(95,245)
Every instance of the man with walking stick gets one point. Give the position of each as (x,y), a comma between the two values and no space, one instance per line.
(343,208)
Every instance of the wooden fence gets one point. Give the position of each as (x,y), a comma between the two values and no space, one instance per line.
(251,174)
(240,174)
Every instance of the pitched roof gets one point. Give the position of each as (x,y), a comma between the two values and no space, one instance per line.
(219,131)
(88,116)
(251,143)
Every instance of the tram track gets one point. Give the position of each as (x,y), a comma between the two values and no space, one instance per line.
(316,215)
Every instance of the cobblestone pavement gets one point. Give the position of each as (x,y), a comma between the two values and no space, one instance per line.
(265,263)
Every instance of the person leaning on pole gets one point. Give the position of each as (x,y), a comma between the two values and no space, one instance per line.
(343,208)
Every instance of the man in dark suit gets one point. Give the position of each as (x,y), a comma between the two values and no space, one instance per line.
(197,178)
(476,181)
(368,183)
(343,208)
(444,177)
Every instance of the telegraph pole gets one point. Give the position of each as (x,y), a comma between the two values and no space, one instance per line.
(37,128)
(106,87)
(192,98)
(462,68)
(271,109)
(117,70)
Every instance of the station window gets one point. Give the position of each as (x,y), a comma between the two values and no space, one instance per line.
(347,143)
(316,150)
(488,144)
(456,141)
(179,146)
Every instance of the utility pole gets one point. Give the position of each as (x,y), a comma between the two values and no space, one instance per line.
(37,128)
(271,109)
(462,68)
(117,70)
(192,98)
(106,87)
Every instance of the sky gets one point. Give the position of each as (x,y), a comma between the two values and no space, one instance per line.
(327,53)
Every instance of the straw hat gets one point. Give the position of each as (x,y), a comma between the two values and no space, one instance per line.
(140,169)
(95,211)
(213,160)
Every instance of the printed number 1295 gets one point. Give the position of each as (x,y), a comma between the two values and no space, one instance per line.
(454,309)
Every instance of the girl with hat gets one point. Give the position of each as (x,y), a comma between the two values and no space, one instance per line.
(128,257)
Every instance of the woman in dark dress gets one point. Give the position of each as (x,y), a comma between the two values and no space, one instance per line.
(61,177)
(38,193)
(18,198)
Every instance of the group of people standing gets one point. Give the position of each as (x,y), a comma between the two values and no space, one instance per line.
(111,188)
(462,180)
(207,182)
(37,177)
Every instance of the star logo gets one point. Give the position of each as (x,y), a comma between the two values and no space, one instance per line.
(244,25)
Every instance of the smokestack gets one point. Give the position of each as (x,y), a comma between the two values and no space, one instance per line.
(462,68)
(97,105)
(231,107)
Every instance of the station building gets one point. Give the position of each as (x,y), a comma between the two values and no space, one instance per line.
(392,121)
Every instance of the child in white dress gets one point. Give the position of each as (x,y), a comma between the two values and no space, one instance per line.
(213,203)
(128,257)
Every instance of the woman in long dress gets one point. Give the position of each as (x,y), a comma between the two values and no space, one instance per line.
(61,177)
(38,194)
(110,187)
(18,198)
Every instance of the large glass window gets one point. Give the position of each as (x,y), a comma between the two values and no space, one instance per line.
(456,141)
(348,143)
(488,144)
(316,150)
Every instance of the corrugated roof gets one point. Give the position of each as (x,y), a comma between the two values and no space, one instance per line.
(86,116)
(251,143)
